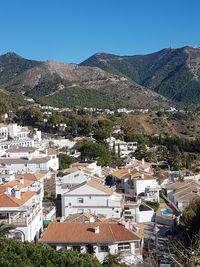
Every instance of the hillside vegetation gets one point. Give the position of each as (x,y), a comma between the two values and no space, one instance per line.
(173,73)
(70,85)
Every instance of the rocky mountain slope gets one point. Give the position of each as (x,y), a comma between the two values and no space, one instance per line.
(173,73)
(69,85)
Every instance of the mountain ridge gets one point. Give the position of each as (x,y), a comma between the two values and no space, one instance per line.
(80,84)
(173,73)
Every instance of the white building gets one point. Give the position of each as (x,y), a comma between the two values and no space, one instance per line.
(182,193)
(100,239)
(44,164)
(21,205)
(121,147)
(137,180)
(24,159)
(22,152)
(13,134)
(90,196)
(137,212)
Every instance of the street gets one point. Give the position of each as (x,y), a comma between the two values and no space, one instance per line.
(162,246)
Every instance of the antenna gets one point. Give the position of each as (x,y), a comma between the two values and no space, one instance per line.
(170,45)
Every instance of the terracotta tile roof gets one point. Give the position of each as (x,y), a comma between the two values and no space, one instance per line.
(85,233)
(179,185)
(186,190)
(16,182)
(15,149)
(12,201)
(130,173)
(2,188)
(84,217)
(52,151)
(93,182)
(30,176)
(19,160)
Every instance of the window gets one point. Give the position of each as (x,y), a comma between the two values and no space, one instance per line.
(103,248)
(77,248)
(90,197)
(80,200)
(123,246)
(137,244)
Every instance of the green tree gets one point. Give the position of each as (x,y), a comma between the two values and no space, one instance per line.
(14,253)
(177,158)
(103,128)
(5,229)
(95,151)
(189,220)
(4,106)
(65,161)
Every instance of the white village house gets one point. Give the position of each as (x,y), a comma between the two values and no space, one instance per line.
(120,147)
(23,159)
(182,193)
(98,239)
(89,196)
(21,205)
(137,180)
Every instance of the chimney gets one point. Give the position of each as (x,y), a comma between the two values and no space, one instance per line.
(129,170)
(21,179)
(92,220)
(8,190)
(96,229)
(127,225)
(143,161)
(18,194)
(142,175)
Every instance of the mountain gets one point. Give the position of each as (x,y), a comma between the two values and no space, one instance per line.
(71,85)
(173,73)
(11,65)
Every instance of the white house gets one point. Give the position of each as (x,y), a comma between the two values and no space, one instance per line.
(98,239)
(22,152)
(23,159)
(121,147)
(21,205)
(17,132)
(137,212)
(75,177)
(3,132)
(13,134)
(90,168)
(182,193)
(90,196)
(137,180)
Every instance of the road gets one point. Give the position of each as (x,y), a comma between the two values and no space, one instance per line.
(163,245)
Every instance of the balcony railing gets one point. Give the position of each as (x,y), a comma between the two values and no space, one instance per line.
(20,220)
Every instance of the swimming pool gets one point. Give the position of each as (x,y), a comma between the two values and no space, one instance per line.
(166,211)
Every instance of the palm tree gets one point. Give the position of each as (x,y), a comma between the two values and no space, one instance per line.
(5,229)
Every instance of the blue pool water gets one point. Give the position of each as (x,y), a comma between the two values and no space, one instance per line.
(166,211)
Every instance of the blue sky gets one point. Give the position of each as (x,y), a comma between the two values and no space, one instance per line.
(72,30)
